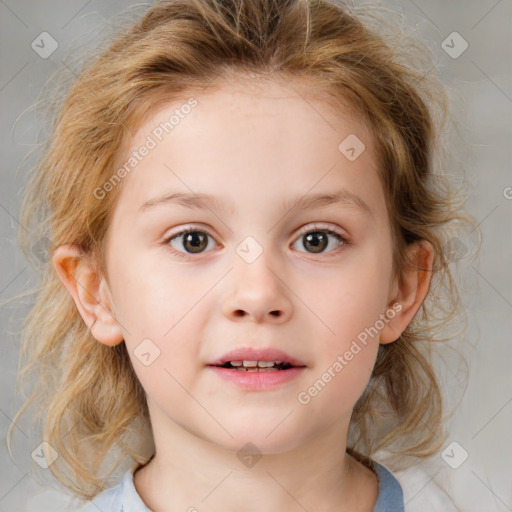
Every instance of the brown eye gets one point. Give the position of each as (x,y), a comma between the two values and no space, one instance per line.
(317,241)
(192,241)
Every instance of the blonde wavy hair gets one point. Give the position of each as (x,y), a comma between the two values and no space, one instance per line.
(86,392)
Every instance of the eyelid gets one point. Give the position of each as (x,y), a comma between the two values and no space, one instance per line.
(187,229)
(321,226)
(303,230)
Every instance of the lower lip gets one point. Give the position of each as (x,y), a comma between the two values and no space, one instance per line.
(258,380)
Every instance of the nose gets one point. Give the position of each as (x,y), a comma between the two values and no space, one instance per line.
(257,292)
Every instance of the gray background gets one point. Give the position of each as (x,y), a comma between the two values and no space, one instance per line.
(481,81)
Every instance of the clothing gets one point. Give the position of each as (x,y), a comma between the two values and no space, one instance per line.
(124,497)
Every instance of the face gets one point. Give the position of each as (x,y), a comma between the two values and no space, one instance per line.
(255,272)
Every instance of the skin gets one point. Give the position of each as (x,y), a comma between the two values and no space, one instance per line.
(254,146)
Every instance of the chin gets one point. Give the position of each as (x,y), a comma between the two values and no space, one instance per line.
(265,440)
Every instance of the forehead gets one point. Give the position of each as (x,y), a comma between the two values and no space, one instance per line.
(269,138)
(309,109)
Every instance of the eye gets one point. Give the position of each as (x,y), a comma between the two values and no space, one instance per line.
(317,239)
(191,239)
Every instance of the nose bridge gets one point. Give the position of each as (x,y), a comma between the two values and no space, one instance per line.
(256,287)
(255,265)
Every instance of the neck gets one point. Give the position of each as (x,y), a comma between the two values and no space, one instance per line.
(187,471)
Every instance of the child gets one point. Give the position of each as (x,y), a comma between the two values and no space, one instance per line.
(246,233)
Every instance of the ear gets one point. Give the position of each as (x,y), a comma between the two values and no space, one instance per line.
(90,292)
(408,294)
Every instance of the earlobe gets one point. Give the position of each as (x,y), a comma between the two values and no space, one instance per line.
(410,292)
(90,293)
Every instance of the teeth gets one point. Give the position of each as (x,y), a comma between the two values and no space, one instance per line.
(266,364)
(256,369)
(259,364)
(255,366)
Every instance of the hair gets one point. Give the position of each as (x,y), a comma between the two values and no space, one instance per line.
(86,392)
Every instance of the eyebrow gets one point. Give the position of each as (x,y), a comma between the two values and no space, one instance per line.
(202,201)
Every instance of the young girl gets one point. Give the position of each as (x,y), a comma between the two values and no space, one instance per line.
(247,243)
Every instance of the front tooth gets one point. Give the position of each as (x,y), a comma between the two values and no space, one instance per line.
(250,363)
(265,364)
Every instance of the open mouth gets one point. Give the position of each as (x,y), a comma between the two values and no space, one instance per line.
(273,370)
(256,366)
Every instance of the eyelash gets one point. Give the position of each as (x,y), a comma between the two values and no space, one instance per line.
(303,231)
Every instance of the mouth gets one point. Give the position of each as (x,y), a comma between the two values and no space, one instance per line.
(251,369)
(257,360)
(257,366)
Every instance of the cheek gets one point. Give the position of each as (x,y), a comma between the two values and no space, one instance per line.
(352,298)
(334,388)
(342,370)
(149,298)
(158,316)
(351,305)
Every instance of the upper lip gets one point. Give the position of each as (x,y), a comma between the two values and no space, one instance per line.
(254,354)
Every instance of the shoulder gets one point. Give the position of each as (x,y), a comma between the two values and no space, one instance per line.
(426,484)
(110,499)
(114,498)
(390,498)
(427,488)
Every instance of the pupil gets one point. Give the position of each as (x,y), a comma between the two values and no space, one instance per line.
(313,240)
(196,240)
